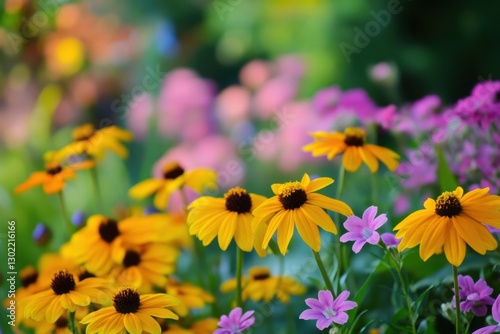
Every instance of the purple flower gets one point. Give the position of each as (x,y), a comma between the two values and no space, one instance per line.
(495,313)
(235,322)
(362,230)
(42,234)
(327,309)
(390,240)
(474,297)
(482,106)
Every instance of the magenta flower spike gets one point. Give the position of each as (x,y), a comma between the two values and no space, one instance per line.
(327,310)
(235,322)
(363,230)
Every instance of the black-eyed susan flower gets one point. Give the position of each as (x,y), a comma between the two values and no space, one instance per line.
(226,218)
(53,179)
(354,148)
(95,142)
(260,285)
(146,266)
(66,294)
(190,296)
(451,222)
(297,204)
(174,178)
(131,312)
(103,241)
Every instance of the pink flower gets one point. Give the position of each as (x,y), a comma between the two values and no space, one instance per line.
(233,106)
(139,112)
(390,240)
(495,313)
(363,230)
(235,322)
(327,310)
(275,94)
(474,296)
(255,73)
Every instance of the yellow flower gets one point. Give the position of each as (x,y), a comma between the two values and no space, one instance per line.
(296,202)
(451,222)
(190,296)
(261,285)
(146,266)
(174,178)
(226,218)
(87,140)
(103,241)
(66,295)
(131,312)
(53,179)
(352,144)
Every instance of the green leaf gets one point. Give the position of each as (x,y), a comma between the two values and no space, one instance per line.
(446,178)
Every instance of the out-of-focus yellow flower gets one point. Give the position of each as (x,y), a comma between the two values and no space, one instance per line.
(189,295)
(352,144)
(174,178)
(261,285)
(96,142)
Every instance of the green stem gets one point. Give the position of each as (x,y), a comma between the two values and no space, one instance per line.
(469,323)
(458,325)
(97,188)
(323,272)
(336,217)
(340,181)
(67,221)
(239,270)
(72,323)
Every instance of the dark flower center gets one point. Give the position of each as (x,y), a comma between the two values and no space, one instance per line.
(238,200)
(173,172)
(62,322)
(53,170)
(132,258)
(85,275)
(354,137)
(448,205)
(29,279)
(108,230)
(261,276)
(127,301)
(63,282)
(292,195)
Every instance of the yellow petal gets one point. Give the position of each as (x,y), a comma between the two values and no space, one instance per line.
(387,156)
(243,234)
(351,159)
(454,248)
(318,183)
(270,206)
(369,159)
(145,188)
(227,229)
(132,323)
(433,237)
(285,231)
(474,233)
(320,217)
(274,223)
(33,180)
(329,203)
(308,231)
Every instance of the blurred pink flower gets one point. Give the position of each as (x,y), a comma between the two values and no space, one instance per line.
(233,106)
(140,110)
(255,74)
(383,73)
(291,66)
(185,106)
(275,94)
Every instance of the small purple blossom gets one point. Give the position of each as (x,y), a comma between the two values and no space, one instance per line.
(41,234)
(363,230)
(474,296)
(390,240)
(495,313)
(235,322)
(327,310)
(482,107)
(78,218)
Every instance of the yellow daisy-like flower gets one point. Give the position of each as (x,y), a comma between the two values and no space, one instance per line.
(145,267)
(131,312)
(174,178)
(226,218)
(352,144)
(190,296)
(451,222)
(296,203)
(261,285)
(53,179)
(65,294)
(103,241)
(92,142)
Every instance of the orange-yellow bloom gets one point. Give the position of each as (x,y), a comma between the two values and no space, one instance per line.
(53,179)
(352,144)
(451,222)
(174,178)
(297,203)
